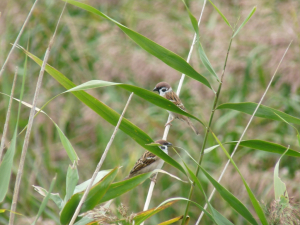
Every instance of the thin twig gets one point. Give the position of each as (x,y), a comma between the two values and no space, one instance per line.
(8,115)
(100,163)
(18,37)
(30,122)
(167,128)
(207,130)
(246,128)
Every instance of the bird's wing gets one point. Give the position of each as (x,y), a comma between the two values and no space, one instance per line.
(146,159)
(172,96)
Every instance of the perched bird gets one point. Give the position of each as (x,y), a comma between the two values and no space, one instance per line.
(149,162)
(165,90)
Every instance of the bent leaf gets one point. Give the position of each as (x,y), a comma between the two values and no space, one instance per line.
(93,198)
(266,146)
(170,58)
(202,54)
(263,111)
(230,198)
(45,201)
(260,213)
(121,187)
(245,21)
(221,14)
(71,181)
(142,216)
(143,93)
(108,114)
(171,221)
(279,186)
(53,196)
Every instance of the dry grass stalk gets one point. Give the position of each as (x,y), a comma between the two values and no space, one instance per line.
(8,115)
(152,184)
(245,130)
(100,163)
(103,215)
(30,122)
(17,39)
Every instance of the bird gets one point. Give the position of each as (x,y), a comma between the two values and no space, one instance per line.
(149,161)
(166,91)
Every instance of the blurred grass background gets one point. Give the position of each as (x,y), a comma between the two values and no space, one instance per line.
(88,47)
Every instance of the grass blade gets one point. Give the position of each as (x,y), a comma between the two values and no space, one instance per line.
(230,198)
(255,203)
(266,146)
(8,115)
(245,21)
(171,59)
(171,221)
(108,114)
(202,54)
(221,14)
(263,111)
(6,166)
(45,201)
(67,145)
(279,186)
(72,179)
(143,93)
(93,198)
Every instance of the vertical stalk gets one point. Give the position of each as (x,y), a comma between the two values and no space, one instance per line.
(87,190)
(152,184)
(8,115)
(30,122)
(207,131)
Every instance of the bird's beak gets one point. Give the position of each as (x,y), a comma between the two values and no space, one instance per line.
(169,144)
(155,89)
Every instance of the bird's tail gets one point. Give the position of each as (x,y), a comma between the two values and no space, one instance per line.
(191,125)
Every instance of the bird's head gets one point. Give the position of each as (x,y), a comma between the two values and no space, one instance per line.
(164,144)
(162,88)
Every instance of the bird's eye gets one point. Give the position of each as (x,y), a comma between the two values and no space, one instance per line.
(163,89)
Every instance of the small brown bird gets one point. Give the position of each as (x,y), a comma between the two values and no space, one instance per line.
(149,162)
(165,90)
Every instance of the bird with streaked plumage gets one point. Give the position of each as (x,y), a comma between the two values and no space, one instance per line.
(148,161)
(166,91)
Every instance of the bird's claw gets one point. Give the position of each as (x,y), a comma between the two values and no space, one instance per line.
(168,124)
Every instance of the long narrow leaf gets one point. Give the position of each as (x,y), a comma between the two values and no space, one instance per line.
(263,111)
(202,54)
(143,93)
(95,195)
(266,146)
(45,201)
(170,58)
(221,14)
(255,203)
(230,198)
(71,181)
(67,145)
(227,196)
(279,186)
(245,21)
(6,166)
(108,114)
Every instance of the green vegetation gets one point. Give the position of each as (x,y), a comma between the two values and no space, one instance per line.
(103,51)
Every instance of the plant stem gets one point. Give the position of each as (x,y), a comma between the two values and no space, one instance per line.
(7,115)
(237,145)
(207,131)
(30,122)
(152,184)
(17,39)
(87,190)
